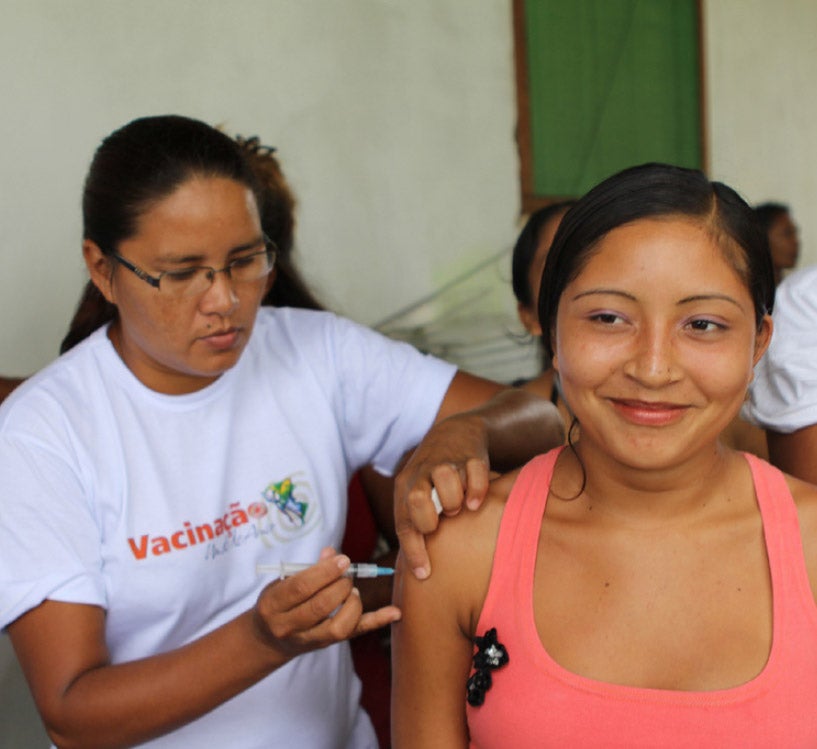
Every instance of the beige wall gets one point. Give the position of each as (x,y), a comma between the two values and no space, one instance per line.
(761,61)
(394,120)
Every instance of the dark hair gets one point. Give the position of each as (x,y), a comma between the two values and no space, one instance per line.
(144,162)
(768,213)
(524,251)
(646,191)
(134,168)
(276,206)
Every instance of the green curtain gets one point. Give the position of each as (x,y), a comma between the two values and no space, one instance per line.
(613,83)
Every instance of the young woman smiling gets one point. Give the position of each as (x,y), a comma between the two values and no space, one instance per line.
(644,585)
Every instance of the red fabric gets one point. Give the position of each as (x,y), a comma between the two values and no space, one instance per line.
(369,652)
(360,536)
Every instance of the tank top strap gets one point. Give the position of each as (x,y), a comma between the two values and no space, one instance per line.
(781,529)
(518,539)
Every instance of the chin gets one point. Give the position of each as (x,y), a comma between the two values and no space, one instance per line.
(647,453)
(214,367)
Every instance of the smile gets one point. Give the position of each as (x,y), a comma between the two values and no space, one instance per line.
(648,413)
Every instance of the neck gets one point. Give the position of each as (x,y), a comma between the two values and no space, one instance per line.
(644,495)
(152,374)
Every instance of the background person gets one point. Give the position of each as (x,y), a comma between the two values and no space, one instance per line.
(783,395)
(783,235)
(527,263)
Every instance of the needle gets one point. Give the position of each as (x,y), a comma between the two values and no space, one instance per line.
(286,569)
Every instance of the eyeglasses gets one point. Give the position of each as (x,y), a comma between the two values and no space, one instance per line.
(196,280)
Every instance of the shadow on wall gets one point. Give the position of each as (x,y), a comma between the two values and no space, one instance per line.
(20,726)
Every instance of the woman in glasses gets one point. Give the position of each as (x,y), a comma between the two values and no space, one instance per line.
(192,437)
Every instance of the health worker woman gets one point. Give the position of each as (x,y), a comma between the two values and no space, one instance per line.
(148,471)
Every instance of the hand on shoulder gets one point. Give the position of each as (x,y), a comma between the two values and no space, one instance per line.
(461,550)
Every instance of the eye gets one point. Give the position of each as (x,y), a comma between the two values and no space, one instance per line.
(607,318)
(246,261)
(705,326)
(180,276)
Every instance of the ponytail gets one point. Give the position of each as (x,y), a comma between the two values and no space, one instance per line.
(93,311)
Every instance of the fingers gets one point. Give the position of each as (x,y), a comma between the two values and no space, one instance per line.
(413,548)
(416,515)
(449,487)
(350,621)
(316,607)
(294,590)
(477,482)
(312,609)
(373,620)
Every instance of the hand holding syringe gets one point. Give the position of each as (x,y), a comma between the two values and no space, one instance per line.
(287,569)
(315,604)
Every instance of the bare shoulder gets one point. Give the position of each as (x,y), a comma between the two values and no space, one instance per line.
(470,536)
(461,552)
(805,499)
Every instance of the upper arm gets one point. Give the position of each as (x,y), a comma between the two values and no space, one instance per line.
(430,662)
(795,453)
(56,643)
(465,392)
(805,498)
(431,645)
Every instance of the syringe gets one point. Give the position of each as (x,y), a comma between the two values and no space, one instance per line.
(286,569)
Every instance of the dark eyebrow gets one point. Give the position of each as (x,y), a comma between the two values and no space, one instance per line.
(709,297)
(199,258)
(685,300)
(614,292)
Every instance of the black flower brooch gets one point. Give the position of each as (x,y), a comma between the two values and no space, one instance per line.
(490,655)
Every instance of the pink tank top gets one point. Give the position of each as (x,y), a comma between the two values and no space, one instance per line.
(534,702)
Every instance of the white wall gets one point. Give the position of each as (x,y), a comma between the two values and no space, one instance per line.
(761,60)
(394,122)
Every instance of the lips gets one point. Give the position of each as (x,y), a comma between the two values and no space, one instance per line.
(649,413)
(222,340)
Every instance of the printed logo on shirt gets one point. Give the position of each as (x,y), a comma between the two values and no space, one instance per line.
(296,512)
(287,512)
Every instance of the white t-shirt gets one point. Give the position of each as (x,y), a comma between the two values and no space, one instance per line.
(157,507)
(783,395)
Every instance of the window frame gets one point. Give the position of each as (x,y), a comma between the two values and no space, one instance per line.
(530,200)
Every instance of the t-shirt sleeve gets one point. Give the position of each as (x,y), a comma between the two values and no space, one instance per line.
(390,394)
(783,395)
(49,540)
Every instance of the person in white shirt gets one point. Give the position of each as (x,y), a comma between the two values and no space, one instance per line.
(783,395)
(189,437)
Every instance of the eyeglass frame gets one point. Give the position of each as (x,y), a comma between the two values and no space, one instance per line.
(270,248)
